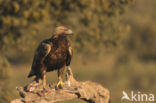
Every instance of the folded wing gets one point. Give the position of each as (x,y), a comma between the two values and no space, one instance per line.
(40,54)
(69,55)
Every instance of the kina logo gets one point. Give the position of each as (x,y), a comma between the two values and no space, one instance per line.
(138,97)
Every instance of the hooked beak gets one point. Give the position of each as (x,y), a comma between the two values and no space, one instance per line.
(70,32)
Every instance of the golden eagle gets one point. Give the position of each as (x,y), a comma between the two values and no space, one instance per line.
(52,54)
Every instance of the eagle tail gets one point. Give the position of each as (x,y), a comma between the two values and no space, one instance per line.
(32,73)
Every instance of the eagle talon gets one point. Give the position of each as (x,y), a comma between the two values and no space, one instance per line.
(59,85)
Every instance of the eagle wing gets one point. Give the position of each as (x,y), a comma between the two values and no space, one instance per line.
(69,55)
(40,54)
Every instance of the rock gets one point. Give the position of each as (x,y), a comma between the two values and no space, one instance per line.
(88,91)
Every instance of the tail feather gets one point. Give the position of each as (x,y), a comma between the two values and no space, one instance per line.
(32,73)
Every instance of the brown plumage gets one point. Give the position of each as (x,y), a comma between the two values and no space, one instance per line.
(52,54)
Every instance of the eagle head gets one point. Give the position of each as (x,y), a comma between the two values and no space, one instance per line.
(62,30)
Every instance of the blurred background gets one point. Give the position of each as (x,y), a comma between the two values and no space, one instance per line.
(114,42)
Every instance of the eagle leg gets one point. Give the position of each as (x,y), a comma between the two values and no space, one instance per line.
(44,79)
(60,75)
